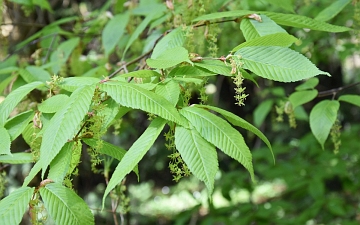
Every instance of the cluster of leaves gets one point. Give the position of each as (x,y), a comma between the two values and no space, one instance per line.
(78,110)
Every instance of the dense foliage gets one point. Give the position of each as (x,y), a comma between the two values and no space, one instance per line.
(88,78)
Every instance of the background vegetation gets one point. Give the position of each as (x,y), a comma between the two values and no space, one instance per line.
(308,184)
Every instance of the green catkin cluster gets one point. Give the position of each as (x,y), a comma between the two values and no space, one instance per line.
(238,80)
(289,111)
(335,134)
(119,195)
(177,166)
(2,183)
(202,91)
(54,85)
(280,112)
(211,38)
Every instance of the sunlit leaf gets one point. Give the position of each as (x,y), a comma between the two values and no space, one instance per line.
(169,58)
(352,99)
(301,97)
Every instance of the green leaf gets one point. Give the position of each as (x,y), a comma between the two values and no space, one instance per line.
(135,154)
(53,104)
(5,141)
(5,83)
(72,83)
(61,163)
(170,91)
(17,158)
(218,15)
(322,117)
(190,71)
(221,134)
(285,4)
(35,73)
(240,122)
(139,29)
(186,80)
(108,149)
(113,31)
(8,70)
(215,66)
(261,111)
(352,99)
(309,84)
(140,74)
(43,4)
(277,39)
(301,97)
(332,10)
(64,206)
(278,63)
(175,38)
(62,53)
(14,206)
(7,106)
(299,21)
(65,124)
(199,155)
(169,58)
(132,96)
(17,124)
(254,29)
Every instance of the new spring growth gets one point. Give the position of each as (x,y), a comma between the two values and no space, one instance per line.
(238,79)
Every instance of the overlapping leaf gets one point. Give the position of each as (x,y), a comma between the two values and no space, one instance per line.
(322,118)
(65,206)
(198,154)
(254,29)
(17,158)
(17,124)
(65,123)
(53,104)
(170,91)
(132,96)
(277,39)
(13,207)
(175,38)
(309,84)
(238,121)
(169,58)
(135,154)
(14,98)
(278,63)
(72,83)
(221,134)
(215,66)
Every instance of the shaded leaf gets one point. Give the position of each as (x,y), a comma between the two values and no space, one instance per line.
(108,149)
(278,63)
(60,165)
(221,134)
(285,4)
(309,84)
(113,31)
(218,15)
(64,206)
(17,124)
(140,74)
(5,141)
(301,97)
(332,10)
(198,154)
(62,53)
(17,158)
(322,117)
(215,66)
(352,99)
(13,207)
(72,83)
(190,71)
(135,154)
(261,111)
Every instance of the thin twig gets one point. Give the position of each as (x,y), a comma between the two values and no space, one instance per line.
(335,90)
